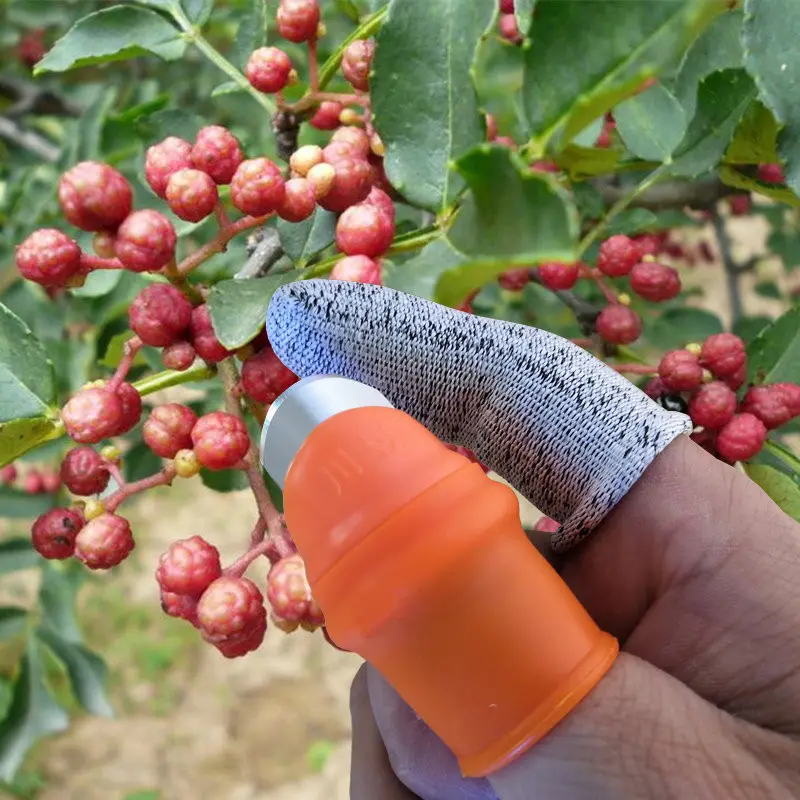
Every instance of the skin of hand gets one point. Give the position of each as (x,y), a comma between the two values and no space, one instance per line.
(697,573)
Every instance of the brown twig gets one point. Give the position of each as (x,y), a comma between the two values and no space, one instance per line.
(130,349)
(218,243)
(162,478)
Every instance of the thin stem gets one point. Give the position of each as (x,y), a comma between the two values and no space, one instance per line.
(219,242)
(223,220)
(193,35)
(162,478)
(130,350)
(733,273)
(171,377)
(312,99)
(621,204)
(91,262)
(635,369)
(313,66)
(608,293)
(266,507)
(240,566)
(116,473)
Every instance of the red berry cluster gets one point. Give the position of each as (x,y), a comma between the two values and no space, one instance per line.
(33,481)
(705,381)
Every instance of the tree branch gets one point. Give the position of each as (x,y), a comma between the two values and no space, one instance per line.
(28,140)
(266,253)
(733,271)
(673,194)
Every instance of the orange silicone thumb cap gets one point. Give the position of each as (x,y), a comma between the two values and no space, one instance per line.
(420,565)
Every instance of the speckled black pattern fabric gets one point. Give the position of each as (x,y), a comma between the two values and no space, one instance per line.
(567,431)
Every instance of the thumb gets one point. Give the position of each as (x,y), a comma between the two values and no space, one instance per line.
(630,737)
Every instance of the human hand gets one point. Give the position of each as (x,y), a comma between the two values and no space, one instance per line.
(694,571)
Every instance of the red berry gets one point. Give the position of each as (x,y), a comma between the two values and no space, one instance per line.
(740,204)
(650,244)
(205,341)
(216,151)
(145,241)
(104,542)
(33,482)
(298,20)
(680,371)
(188,567)
(357,138)
(230,610)
(220,440)
(506,6)
(491,128)
(360,269)
(737,380)
(326,117)
(53,533)
(178,356)
(131,402)
(94,196)
(264,377)
(557,276)
(357,63)
(169,429)
(706,439)
(508,28)
(180,606)
(515,280)
(712,405)
(378,198)
(364,230)
(790,393)
(655,282)
(92,415)
(268,69)
(351,184)
(288,591)
(31,47)
(768,405)
(299,201)
(546,525)
(617,324)
(84,472)
(163,160)
(334,152)
(51,482)
(48,257)
(160,314)
(468,454)
(771,173)
(741,438)
(723,354)
(257,188)
(654,388)
(618,255)
(242,645)
(192,195)
(103,244)
(8,475)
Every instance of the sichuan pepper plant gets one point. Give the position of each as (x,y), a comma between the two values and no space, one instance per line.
(570,165)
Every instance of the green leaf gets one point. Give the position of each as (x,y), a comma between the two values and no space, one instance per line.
(251,32)
(139,462)
(718,47)
(275,492)
(17,554)
(774,355)
(116,349)
(511,216)
(633,221)
(588,56)
(524,12)
(349,9)
(227,480)
(722,100)
(169,122)
(587,162)
(90,125)
(420,275)
(198,11)
(86,671)
(239,307)
(747,328)
(27,378)
(423,99)
(739,180)
(12,621)
(18,436)
(113,34)
(755,140)
(781,488)
(33,714)
(16,504)
(229,87)
(58,591)
(768,289)
(770,34)
(301,241)
(680,326)
(652,124)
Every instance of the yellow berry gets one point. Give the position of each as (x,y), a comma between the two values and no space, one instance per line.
(349,117)
(624,299)
(694,348)
(376,145)
(649,258)
(111,453)
(93,509)
(321,30)
(186,464)
(304,158)
(321,178)
(285,625)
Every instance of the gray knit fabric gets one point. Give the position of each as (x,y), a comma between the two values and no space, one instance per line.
(567,431)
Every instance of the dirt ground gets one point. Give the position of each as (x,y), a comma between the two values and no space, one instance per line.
(191,724)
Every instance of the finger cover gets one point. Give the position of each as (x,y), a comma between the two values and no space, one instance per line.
(567,431)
